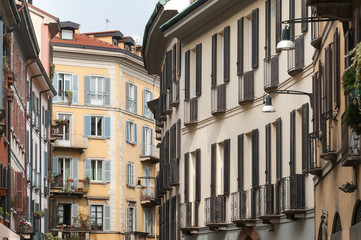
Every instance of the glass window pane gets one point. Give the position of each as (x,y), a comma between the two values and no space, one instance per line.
(99,126)
(100,171)
(67,168)
(93,126)
(93,171)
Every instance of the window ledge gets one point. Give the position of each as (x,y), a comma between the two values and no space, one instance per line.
(132,143)
(130,186)
(96,138)
(97,182)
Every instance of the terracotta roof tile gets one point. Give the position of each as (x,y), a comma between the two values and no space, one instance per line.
(84,40)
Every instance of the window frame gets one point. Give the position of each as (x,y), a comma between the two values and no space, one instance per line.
(130,174)
(102,127)
(147,95)
(132,99)
(63,114)
(96,168)
(99,95)
(96,218)
(148,214)
(131,132)
(61,86)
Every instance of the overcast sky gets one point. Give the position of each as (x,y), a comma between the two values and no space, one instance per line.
(127,16)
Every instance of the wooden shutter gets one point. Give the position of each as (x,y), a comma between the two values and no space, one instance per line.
(328,68)
(198,175)
(106,92)
(304,7)
(336,65)
(86,90)
(268,30)
(174,63)
(240,162)
(74,214)
(268,153)
(291,17)
(214,61)
(255,38)
(75,171)
(199,69)
(305,132)
(179,132)
(315,103)
(255,159)
(278,21)
(107,131)
(107,218)
(227,165)
(19,191)
(357,26)
(107,171)
(279,149)
(75,89)
(240,46)
(168,69)
(226,54)
(293,142)
(179,59)
(213,168)
(186,177)
(187,75)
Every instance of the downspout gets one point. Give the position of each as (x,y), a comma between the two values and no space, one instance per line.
(8,139)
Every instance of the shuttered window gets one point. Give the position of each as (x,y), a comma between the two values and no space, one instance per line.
(337,227)
(268,154)
(240,46)
(214,61)
(336,65)
(198,175)
(291,17)
(174,63)
(179,128)
(240,162)
(315,109)
(179,59)
(279,149)
(227,166)
(268,30)
(198,69)
(255,37)
(305,142)
(304,26)
(19,191)
(255,159)
(213,169)
(186,177)
(278,21)
(187,76)
(226,54)
(328,80)
(293,142)
(168,69)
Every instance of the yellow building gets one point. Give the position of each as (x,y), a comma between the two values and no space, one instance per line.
(104,133)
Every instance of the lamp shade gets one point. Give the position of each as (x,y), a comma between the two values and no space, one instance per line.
(268,107)
(286,43)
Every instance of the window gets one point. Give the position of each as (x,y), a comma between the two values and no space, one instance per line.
(96,217)
(130,174)
(147,96)
(64,211)
(115,41)
(148,221)
(147,190)
(131,97)
(97,170)
(131,220)
(131,132)
(67,34)
(96,90)
(64,85)
(65,167)
(147,141)
(66,128)
(96,126)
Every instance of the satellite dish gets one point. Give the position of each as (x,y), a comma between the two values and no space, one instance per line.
(163,2)
(136,37)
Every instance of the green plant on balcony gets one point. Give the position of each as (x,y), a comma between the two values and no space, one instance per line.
(14,201)
(69,95)
(52,71)
(83,220)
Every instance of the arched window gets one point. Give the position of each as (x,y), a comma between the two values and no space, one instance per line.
(355,229)
(357,213)
(249,238)
(336,224)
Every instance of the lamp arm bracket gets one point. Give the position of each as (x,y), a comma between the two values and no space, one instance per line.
(146,177)
(293,92)
(307,20)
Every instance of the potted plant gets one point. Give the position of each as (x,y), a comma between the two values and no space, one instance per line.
(83,220)
(70,180)
(85,190)
(69,95)
(7,39)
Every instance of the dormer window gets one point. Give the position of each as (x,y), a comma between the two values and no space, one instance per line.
(67,34)
(115,42)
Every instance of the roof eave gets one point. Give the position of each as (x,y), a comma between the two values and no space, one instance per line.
(9,13)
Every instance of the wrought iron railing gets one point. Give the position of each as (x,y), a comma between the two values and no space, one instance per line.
(69,185)
(174,172)
(185,217)
(23,223)
(219,99)
(148,193)
(243,205)
(292,193)
(296,56)
(271,70)
(246,87)
(265,199)
(215,209)
(149,150)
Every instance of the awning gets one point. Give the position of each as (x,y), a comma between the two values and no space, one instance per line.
(8,233)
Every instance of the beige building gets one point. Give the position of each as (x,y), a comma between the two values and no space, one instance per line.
(228,170)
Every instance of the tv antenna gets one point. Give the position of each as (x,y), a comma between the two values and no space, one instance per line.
(106,22)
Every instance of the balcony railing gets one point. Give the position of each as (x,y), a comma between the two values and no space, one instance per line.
(246,87)
(81,234)
(185,216)
(219,99)
(69,186)
(244,207)
(271,70)
(315,167)
(174,172)
(353,153)
(168,101)
(267,202)
(292,194)
(296,57)
(215,212)
(147,197)
(23,223)
(75,141)
(191,112)
(149,153)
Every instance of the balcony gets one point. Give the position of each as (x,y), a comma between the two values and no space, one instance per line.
(327,149)
(271,70)
(23,225)
(150,153)
(215,212)
(338,9)
(268,203)
(76,233)
(219,99)
(75,142)
(135,235)
(147,197)
(191,112)
(57,128)
(174,172)
(292,196)
(315,168)
(187,223)
(246,88)
(244,208)
(60,186)
(296,57)
(168,100)
(352,156)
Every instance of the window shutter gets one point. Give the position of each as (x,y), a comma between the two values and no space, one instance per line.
(135,133)
(255,159)
(87,126)
(107,127)
(240,46)
(304,15)
(135,99)
(328,69)
(268,153)
(127,220)
(199,69)
(75,171)
(293,143)
(336,65)
(186,177)
(56,87)
(107,171)
(268,30)
(226,54)
(19,190)
(198,175)
(87,169)
(107,91)
(187,75)
(227,165)
(75,89)
(151,137)
(255,38)
(135,219)
(46,169)
(145,109)
(278,149)
(74,214)
(127,102)
(86,90)
(47,119)
(305,132)
(27,148)
(55,166)
(128,173)
(179,62)
(240,162)
(127,126)
(292,16)
(357,26)
(179,132)
(144,147)
(132,174)
(174,63)
(214,61)
(278,21)
(213,169)
(106,218)
(168,69)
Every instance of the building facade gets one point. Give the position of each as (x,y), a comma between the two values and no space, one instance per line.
(104,137)
(228,170)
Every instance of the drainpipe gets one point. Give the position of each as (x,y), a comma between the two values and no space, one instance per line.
(8,124)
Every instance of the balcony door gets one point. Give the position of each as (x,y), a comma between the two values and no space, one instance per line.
(147,190)
(65,139)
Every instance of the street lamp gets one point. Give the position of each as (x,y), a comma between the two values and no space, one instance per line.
(268,107)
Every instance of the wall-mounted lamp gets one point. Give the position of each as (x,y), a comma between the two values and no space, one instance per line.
(286,43)
(268,107)
(348,187)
